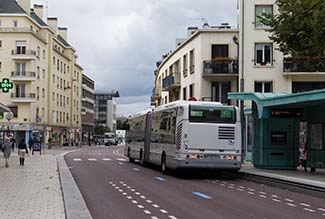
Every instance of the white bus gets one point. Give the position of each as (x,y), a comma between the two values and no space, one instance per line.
(186,134)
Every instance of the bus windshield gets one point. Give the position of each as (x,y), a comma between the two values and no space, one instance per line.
(206,114)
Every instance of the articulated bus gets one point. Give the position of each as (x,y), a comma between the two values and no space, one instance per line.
(186,134)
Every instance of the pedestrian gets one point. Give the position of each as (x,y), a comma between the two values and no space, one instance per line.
(22,150)
(6,149)
(13,141)
(30,143)
(303,159)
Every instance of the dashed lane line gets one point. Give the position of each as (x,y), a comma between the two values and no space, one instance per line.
(155,206)
(147,212)
(163,211)
(92,159)
(77,159)
(121,159)
(106,159)
(251,193)
(262,196)
(290,204)
(276,200)
(172,217)
(202,195)
(140,206)
(135,169)
(154,217)
(289,200)
(321,209)
(308,209)
(120,163)
(304,204)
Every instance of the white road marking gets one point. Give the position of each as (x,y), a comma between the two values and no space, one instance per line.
(275,196)
(124,193)
(111,183)
(230,187)
(128,187)
(134,202)
(129,197)
(92,159)
(121,159)
(262,196)
(289,200)
(304,204)
(132,190)
(263,193)
(252,190)
(155,206)
(222,184)
(242,187)
(154,217)
(321,209)
(147,212)
(138,193)
(120,163)
(117,187)
(242,190)
(142,196)
(140,206)
(292,205)
(135,169)
(77,159)
(276,200)
(106,159)
(172,217)
(252,193)
(232,184)
(148,201)
(163,211)
(120,190)
(308,209)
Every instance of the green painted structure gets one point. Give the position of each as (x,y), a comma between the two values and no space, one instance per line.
(283,123)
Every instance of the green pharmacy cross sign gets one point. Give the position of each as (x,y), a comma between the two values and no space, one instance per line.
(6,85)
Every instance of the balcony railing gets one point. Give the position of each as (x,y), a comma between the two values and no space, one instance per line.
(23,74)
(212,67)
(23,52)
(23,97)
(303,65)
(171,81)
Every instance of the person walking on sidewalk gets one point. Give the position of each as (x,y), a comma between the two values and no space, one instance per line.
(6,149)
(22,150)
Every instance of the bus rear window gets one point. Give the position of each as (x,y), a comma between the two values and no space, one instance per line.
(212,115)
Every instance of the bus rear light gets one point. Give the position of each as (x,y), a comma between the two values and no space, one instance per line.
(230,157)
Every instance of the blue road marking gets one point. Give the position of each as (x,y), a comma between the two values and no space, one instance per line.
(159,178)
(202,195)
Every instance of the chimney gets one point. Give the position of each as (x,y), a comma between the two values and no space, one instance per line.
(63,32)
(53,23)
(25,4)
(39,10)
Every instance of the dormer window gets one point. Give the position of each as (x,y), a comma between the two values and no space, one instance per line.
(15,23)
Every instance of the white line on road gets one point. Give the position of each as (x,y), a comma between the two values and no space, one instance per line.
(276,200)
(154,217)
(321,209)
(148,201)
(143,197)
(222,184)
(305,205)
(124,193)
(138,193)
(263,193)
(262,196)
(308,209)
(92,159)
(135,169)
(132,190)
(134,202)
(252,190)
(129,197)
(155,206)
(251,193)
(172,217)
(140,206)
(275,196)
(120,163)
(231,187)
(232,184)
(77,159)
(292,205)
(289,200)
(120,190)
(242,190)
(163,211)
(106,159)
(121,159)
(147,212)
(242,187)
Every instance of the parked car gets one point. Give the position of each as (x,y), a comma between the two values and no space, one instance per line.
(110,139)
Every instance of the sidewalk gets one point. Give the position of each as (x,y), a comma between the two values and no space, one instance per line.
(30,191)
(316,179)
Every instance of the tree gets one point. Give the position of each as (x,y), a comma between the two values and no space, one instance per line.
(298,28)
(121,123)
(100,130)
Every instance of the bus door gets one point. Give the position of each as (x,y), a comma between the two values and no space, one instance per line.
(147,134)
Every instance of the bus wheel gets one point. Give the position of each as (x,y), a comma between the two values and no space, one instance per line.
(130,158)
(163,164)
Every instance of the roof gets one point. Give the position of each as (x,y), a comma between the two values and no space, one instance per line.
(266,101)
(10,7)
(37,19)
(63,41)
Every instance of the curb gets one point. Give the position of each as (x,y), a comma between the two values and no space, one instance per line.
(74,204)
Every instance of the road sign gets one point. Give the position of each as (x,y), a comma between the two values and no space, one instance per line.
(6,85)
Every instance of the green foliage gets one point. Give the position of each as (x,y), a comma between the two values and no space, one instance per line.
(121,123)
(299,27)
(100,130)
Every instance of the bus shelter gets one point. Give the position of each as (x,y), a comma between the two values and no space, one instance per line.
(285,126)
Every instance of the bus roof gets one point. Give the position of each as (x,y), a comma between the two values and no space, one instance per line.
(187,103)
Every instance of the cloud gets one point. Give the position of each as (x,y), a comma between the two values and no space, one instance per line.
(119,42)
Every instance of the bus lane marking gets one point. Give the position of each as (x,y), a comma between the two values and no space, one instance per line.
(202,195)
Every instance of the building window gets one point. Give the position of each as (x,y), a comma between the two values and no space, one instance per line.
(38,52)
(263,87)
(0,44)
(191,90)
(43,73)
(43,93)
(58,65)
(58,82)
(15,23)
(53,78)
(184,93)
(263,54)
(53,96)
(192,62)
(37,93)
(57,99)
(261,11)
(38,72)
(21,47)
(185,66)
(43,112)
(20,69)
(44,54)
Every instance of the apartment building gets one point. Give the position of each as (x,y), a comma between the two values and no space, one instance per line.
(87,107)
(203,67)
(36,57)
(105,109)
(263,67)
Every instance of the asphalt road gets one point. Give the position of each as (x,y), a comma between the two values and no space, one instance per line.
(114,188)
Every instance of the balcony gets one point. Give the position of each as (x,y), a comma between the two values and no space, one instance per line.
(220,68)
(23,30)
(23,76)
(171,82)
(156,93)
(23,54)
(304,65)
(23,98)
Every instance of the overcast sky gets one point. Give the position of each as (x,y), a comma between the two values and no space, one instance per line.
(119,41)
